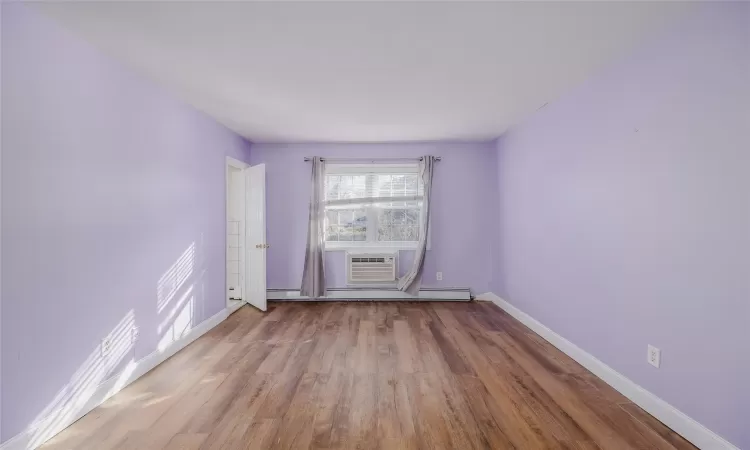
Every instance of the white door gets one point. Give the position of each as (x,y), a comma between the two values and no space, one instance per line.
(255,242)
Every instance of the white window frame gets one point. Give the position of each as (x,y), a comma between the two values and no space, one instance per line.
(373,244)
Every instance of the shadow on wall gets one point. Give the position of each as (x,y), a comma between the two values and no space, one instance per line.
(179,293)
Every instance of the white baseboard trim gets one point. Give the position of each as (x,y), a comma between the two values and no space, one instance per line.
(675,419)
(46,428)
(232,308)
(488,297)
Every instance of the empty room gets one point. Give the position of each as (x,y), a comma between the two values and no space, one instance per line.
(374,225)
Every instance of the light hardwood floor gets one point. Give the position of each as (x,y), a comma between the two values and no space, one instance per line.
(369,375)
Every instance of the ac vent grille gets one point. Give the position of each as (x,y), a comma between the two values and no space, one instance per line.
(364,260)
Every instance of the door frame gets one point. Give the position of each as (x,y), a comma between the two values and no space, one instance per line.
(233,163)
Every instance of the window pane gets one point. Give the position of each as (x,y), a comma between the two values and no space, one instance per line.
(332,187)
(411,184)
(398,224)
(359,186)
(332,233)
(395,185)
(386,187)
(346,225)
(345,186)
(397,233)
(352,186)
(345,234)
(411,233)
(399,186)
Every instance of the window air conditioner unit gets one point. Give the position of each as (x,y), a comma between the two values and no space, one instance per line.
(370,268)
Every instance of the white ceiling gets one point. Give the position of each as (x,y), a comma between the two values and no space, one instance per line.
(366,72)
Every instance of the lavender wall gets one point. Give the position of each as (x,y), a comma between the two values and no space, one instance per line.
(106,182)
(625,217)
(463,191)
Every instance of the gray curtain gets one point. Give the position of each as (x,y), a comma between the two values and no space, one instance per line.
(413,279)
(313,276)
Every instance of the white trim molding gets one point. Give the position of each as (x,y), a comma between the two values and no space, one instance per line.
(236,163)
(235,306)
(46,428)
(675,419)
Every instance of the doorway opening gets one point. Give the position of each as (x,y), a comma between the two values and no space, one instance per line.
(235,239)
(246,235)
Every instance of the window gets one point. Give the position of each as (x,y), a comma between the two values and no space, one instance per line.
(373,205)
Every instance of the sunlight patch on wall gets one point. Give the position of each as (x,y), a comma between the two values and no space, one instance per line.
(181,323)
(186,297)
(173,279)
(82,387)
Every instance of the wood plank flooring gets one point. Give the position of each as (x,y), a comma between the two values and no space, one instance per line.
(369,376)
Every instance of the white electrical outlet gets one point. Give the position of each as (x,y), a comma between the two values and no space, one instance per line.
(439,276)
(106,346)
(654,356)
(134,332)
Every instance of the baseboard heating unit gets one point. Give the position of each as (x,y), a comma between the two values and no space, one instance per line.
(374,294)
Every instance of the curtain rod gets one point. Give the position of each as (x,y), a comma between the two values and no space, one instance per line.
(307,158)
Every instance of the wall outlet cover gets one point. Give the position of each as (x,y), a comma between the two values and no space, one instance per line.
(106,346)
(439,276)
(654,356)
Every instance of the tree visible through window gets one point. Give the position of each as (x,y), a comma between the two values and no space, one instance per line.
(373,204)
